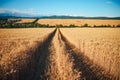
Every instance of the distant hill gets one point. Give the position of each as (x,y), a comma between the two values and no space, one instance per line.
(78,17)
(16,15)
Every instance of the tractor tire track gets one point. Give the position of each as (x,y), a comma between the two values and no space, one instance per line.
(83,64)
(35,65)
(42,58)
(38,62)
(61,64)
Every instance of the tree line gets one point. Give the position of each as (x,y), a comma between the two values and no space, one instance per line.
(6,23)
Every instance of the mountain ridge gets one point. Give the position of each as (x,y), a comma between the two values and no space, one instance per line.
(14,15)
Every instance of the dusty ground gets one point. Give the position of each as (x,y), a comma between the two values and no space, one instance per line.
(78,22)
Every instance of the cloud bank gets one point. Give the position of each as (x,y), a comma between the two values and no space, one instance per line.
(16,12)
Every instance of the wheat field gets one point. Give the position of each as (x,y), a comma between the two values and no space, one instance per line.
(25,20)
(60,54)
(102,46)
(78,22)
(15,44)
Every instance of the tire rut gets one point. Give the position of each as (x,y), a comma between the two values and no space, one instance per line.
(61,64)
(38,62)
(42,59)
(83,64)
(34,66)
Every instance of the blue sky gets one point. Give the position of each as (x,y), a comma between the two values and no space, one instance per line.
(110,8)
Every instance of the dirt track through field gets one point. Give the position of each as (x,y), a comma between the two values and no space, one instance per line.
(57,59)
(62,61)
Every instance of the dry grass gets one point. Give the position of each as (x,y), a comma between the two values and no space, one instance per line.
(26,20)
(78,22)
(102,46)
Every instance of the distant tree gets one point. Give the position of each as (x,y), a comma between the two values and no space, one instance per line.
(85,25)
(109,25)
(72,25)
(94,26)
(118,25)
(113,26)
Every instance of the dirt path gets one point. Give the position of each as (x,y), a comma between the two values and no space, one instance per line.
(65,62)
(61,63)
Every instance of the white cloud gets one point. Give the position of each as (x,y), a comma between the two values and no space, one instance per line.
(109,2)
(30,11)
(2,10)
(33,11)
(27,11)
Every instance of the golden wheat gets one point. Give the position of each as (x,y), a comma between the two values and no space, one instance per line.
(44,53)
(25,20)
(102,46)
(15,45)
(78,22)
